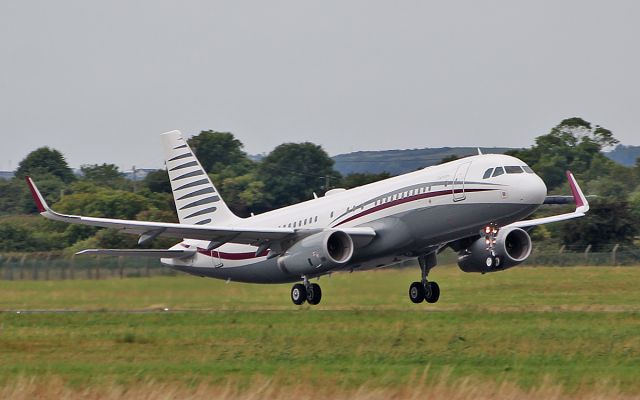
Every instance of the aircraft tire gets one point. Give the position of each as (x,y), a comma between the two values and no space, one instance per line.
(314,294)
(416,292)
(298,294)
(432,292)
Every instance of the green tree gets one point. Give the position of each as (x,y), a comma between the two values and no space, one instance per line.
(243,193)
(634,206)
(103,175)
(292,172)
(14,237)
(45,161)
(230,170)
(158,181)
(11,192)
(607,222)
(360,179)
(108,204)
(575,145)
(220,153)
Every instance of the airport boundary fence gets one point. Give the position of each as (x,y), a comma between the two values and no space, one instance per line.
(58,266)
(55,266)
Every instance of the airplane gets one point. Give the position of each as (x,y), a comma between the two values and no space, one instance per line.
(474,205)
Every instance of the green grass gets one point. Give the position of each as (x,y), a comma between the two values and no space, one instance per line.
(579,327)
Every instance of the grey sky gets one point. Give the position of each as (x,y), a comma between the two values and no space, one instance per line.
(100,80)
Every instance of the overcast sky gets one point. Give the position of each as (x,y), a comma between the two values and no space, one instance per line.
(100,80)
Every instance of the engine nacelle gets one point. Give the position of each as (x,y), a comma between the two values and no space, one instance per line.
(317,253)
(513,246)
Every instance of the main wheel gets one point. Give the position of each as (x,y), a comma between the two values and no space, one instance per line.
(298,294)
(416,292)
(314,294)
(432,292)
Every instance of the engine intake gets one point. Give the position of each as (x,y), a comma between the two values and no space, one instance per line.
(512,247)
(317,253)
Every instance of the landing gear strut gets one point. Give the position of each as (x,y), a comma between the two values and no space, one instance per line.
(425,290)
(490,234)
(309,292)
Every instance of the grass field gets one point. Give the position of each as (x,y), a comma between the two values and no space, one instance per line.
(524,333)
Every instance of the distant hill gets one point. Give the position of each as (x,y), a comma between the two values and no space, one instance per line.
(625,155)
(398,162)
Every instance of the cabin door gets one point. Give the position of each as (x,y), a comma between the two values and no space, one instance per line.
(458,182)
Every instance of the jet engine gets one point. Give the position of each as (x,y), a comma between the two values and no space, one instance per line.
(512,246)
(317,253)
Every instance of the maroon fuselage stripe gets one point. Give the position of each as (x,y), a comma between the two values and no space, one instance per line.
(408,199)
(251,255)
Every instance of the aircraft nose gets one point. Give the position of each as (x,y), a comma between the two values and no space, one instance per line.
(536,190)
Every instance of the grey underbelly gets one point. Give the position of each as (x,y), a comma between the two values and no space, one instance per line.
(398,237)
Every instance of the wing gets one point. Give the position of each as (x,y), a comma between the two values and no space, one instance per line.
(582,206)
(216,234)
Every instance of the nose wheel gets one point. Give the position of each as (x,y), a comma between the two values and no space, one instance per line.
(309,292)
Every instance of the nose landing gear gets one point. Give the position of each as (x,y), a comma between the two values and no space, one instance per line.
(309,292)
(425,290)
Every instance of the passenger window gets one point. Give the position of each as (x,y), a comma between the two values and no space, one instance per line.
(305,221)
(294,224)
(316,219)
(527,169)
(513,169)
(487,173)
(499,171)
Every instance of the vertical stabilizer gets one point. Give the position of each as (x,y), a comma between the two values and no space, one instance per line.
(197,200)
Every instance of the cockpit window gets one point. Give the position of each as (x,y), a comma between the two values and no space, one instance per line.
(499,171)
(487,173)
(513,169)
(527,169)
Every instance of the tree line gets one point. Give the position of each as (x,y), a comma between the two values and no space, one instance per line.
(291,173)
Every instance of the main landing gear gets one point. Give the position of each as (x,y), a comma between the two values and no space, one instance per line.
(425,290)
(309,292)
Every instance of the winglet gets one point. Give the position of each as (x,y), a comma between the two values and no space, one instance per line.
(582,205)
(41,203)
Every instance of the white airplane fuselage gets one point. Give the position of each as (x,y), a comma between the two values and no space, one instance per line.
(412,214)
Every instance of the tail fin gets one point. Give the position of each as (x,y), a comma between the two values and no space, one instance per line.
(197,200)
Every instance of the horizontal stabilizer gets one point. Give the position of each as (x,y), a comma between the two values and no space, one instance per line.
(140,253)
(559,200)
